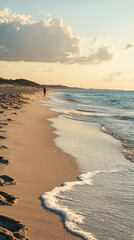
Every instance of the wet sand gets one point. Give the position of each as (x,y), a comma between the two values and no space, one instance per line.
(36,165)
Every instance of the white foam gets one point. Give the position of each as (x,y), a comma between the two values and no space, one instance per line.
(93,150)
(71,218)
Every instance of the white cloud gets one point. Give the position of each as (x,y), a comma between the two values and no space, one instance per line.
(102,54)
(6,17)
(45,41)
(19,18)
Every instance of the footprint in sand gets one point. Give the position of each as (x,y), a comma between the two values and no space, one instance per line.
(3,147)
(1,138)
(1,114)
(12,229)
(17,107)
(6,180)
(4,124)
(9,119)
(3,161)
(2,131)
(7,199)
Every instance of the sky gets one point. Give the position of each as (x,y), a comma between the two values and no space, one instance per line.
(77,43)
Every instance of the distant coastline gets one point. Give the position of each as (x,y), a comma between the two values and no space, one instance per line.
(29,83)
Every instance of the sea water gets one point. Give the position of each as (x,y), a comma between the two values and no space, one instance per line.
(97,129)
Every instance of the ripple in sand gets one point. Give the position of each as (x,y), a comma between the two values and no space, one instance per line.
(12,229)
(6,180)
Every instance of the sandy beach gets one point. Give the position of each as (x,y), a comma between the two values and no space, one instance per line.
(35,166)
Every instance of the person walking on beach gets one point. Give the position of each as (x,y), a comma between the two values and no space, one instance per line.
(44,90)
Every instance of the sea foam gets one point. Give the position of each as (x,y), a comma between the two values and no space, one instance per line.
(71,219)
(95,153)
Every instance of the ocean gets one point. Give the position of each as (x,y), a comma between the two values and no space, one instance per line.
(97,129)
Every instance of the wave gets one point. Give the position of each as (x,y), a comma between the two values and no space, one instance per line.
(80,117)
(128,151)
(71,219)
(125,117)
(123,131)
(87,111)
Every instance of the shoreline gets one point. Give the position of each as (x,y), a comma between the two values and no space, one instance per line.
(99,155)
(37,166)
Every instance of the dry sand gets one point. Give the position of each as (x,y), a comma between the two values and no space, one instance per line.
(37,166)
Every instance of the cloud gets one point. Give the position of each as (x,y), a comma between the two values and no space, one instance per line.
(102,54)
(6,17)
(44,41)
(112,76)
(127,46)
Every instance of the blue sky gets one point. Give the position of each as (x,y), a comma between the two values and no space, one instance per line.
(87,17)
(99,49)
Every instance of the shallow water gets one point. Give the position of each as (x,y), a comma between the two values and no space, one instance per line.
(100,205)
